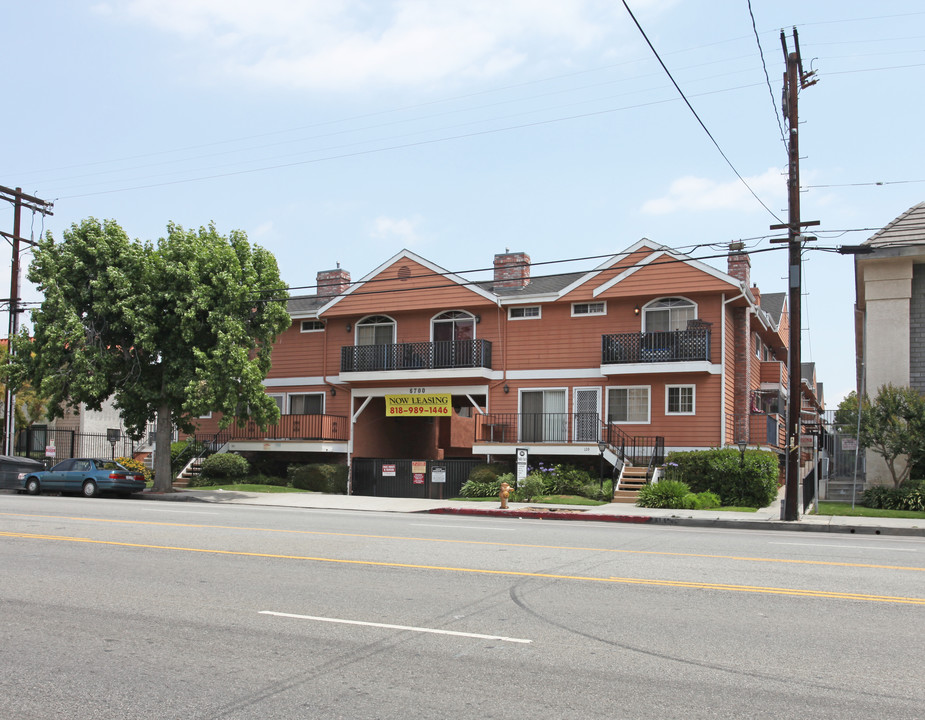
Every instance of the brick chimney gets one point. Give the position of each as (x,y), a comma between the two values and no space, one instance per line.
(739,264)
(756,293)
(332,282)
(512,270)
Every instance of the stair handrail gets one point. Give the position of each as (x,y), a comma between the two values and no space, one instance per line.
(656,459)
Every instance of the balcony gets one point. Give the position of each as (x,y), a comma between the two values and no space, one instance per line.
(561,429)
(463,358)
(681,350)
(773,375)
(321,428)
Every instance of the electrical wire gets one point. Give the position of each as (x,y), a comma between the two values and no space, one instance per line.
(691,108)
(767,78)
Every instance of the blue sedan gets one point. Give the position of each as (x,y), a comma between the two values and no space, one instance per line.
(88,476)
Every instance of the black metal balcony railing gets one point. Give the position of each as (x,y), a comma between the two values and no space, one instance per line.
(565,428)
(656,347)
(439,355)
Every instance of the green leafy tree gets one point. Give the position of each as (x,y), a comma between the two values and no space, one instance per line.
(892,425)
(29,405)
(171,330)
(846,415)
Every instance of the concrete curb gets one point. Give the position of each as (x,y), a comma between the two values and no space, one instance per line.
(691,522)
(545,515)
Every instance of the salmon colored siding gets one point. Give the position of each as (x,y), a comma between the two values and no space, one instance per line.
(297,354)
(554,351)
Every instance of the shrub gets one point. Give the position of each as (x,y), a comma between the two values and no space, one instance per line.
(665,494)
(319,477)
(752,482)
(566,480)
(706,500)
(473,489)
(533,486)
(262,479)
(486,473)
(909,496)
(224,466)
(136,466)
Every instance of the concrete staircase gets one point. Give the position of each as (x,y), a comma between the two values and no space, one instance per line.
(839,490)
(192,470)
(633,479)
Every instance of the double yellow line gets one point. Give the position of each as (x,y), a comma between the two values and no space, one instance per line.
(511,573)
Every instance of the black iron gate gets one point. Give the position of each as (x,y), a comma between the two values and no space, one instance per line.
(411,478)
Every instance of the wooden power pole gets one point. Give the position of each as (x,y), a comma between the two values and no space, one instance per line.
(794,80)
(20,200)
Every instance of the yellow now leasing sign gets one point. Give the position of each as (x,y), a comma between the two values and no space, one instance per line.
(424,404)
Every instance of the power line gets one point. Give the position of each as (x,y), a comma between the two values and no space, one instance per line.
(402,146)
(863,184)
(767,79)
(691,107)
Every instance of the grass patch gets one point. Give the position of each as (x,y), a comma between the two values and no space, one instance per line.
(247,487)
(733,508)
(566,500)
(544,499)
(841,508)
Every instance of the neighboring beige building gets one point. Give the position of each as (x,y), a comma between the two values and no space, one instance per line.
(890,326)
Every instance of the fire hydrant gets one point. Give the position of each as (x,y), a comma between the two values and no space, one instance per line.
(505,492)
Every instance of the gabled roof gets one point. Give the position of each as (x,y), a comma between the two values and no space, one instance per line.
(907,229)
(773,304)
(304,305)
(413,257)
(538,286)
(544,288)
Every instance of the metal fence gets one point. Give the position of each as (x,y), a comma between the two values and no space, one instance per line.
(52,446)
(411,479)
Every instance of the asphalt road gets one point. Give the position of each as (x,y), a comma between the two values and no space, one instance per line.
(134,609)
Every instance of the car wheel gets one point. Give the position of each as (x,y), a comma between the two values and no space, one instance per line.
(89,488)
(33,487)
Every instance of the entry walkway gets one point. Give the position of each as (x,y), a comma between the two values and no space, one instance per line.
(764,519)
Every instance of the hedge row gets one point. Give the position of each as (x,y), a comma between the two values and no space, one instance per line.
(751,481)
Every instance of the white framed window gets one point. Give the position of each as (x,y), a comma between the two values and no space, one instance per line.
(207,416)
(306,404)
(453,325)
(758,346)
(376,330)
(589,308)
(524,312)
(312,326)
(628,404)
(280,401)
(668,314)
(680,399)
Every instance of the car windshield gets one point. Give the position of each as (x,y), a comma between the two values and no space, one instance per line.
(109,465)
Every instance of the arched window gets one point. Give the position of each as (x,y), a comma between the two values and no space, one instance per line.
(376,330)
(668,314)
(454,325)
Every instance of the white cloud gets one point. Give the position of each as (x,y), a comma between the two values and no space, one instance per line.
(697,194)
(345,44)
(403,230)
(263,229)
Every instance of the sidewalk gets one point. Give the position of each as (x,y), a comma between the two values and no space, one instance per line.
(764,519)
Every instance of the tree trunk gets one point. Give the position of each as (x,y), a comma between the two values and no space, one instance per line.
(163,476)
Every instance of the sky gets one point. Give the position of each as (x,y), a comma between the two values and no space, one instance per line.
(338,132)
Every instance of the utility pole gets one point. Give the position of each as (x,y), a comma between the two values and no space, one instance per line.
(19,200)
(794,81)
